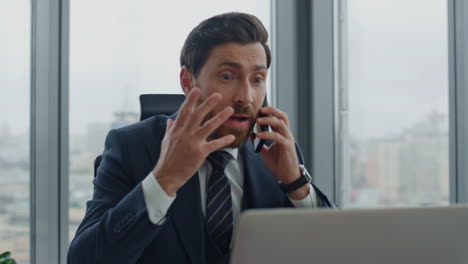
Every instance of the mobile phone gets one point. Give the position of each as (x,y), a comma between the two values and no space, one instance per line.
(258,142)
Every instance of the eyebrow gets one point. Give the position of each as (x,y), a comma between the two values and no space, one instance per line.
(239,66)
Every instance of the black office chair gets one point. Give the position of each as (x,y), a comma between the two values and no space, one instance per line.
(159,104)
(151,105)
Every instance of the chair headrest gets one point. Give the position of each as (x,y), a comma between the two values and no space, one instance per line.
(159,104)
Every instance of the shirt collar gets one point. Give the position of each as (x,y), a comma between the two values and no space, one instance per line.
(233,151)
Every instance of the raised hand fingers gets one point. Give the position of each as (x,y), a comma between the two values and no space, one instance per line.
(187,107)
(202,110)
(215,122)
(219,143)
(169,124)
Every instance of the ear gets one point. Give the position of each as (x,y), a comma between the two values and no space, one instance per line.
(187,80)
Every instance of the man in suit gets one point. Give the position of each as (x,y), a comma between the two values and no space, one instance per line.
(168,189)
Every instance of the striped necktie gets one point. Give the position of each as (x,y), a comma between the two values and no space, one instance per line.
(219,217)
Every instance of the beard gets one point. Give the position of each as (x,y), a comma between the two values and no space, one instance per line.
(241,135)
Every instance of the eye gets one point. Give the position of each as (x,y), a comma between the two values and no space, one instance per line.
(259,79)
(227,76)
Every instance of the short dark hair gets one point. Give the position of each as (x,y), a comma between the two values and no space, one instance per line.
(229,27)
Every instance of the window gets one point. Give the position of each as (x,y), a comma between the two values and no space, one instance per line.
(15,29)
(392,105)
(119,50)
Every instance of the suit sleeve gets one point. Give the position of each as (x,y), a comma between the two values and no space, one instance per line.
(116,227)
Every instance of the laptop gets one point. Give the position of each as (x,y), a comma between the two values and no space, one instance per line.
(436,235)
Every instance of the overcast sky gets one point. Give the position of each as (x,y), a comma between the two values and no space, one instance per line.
(397,70)
(396,51)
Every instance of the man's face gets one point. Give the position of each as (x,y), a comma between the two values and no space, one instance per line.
(238,72)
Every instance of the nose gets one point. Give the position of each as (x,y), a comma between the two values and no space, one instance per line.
(244,93)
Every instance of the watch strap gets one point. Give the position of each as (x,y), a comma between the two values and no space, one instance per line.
(298,183)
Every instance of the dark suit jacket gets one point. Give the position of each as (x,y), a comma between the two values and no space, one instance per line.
(117,229)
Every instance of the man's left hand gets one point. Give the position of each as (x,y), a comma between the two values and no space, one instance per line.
(281,156)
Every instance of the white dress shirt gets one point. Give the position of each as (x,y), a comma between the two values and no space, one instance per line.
(158,202)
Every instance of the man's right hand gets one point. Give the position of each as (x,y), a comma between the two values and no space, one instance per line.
(185,145)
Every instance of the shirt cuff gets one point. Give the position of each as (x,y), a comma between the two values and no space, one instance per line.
(156,199)
(310,201)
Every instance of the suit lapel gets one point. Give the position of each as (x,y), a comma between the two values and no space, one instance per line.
(261,189)
(187,216)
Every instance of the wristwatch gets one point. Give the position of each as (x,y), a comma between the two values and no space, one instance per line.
(301,181)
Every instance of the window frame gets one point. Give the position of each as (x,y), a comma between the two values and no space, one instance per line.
(304,82)
(49,131)
(458,100)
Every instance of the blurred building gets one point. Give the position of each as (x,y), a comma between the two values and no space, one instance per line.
(124,118)
(411,168)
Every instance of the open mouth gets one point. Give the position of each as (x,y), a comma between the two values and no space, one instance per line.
(240,121)
(239,118)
